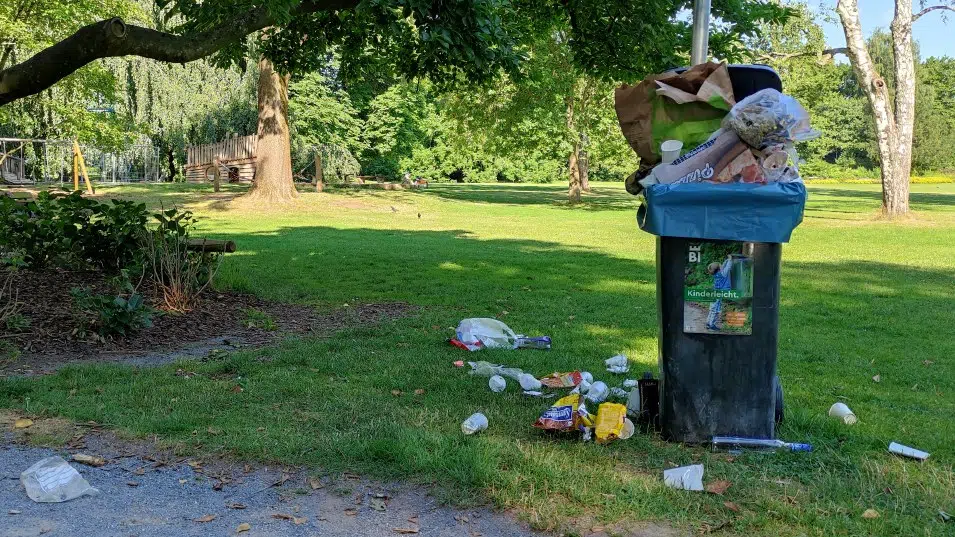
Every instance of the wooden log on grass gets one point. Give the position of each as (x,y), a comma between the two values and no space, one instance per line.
(210,245)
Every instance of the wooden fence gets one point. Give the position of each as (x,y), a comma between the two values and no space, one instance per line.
(240,147)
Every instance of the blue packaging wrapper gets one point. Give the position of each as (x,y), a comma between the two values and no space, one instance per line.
(734,212)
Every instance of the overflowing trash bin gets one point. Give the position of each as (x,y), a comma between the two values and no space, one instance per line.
(721,190)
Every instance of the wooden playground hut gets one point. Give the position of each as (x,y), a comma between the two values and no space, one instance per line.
(236,158)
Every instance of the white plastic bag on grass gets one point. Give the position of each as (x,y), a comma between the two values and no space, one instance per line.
(485,333)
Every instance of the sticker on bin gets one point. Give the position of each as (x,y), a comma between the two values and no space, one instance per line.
(718,288)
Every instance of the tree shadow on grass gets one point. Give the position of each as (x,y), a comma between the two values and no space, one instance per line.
(600,198)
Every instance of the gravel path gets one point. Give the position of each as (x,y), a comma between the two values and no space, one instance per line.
(166,501)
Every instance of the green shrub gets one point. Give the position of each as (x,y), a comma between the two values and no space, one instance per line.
(71,231)
(110,315)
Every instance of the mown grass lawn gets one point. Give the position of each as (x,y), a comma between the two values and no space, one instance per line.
(860,297)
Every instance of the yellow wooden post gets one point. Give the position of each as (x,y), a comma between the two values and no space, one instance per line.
(86,176)
(76,173)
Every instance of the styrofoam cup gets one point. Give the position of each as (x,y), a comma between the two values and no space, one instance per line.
(841,411)
(670,150)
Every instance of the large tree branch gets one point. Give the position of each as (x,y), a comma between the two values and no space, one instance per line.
(789,55)
(929,9)
(112,38)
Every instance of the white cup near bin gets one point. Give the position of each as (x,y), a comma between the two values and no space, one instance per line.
(841,411)
(670,150)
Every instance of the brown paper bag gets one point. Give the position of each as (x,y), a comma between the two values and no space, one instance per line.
(686,107)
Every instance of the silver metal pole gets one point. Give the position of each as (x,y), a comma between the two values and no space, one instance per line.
(699,49)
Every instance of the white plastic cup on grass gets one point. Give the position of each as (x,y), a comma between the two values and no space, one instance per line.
(841,411)
(670,150)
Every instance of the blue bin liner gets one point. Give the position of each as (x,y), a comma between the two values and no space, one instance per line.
(735,212)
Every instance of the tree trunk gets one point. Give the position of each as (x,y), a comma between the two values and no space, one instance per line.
(583,164)
(273,152)
(573,169)
(573,161)
(894,140)
(171,162)
(895,197)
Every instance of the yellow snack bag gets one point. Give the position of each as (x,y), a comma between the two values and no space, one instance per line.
(610,418)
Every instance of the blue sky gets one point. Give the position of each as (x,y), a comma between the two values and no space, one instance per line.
(933,34)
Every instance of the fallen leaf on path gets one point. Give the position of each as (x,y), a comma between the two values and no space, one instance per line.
(347,475)
(351,511)
(281,481)
(358,499)
(132,484)
(195,465)
(205,518)
(877,378)
(247,468)
(245,526)
(22,423)
(236,505)
(718,487)
(298,521)
(731,506)
(413,519)
(315,483)
(90,460)
(462,518)
(139,471)
(323,519)
(870,513)
(282,516)
(406,531)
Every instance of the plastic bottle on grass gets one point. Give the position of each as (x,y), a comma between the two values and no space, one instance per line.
(474,424)
(738,443)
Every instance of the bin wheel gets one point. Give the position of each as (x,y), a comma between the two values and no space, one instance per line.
(780,405)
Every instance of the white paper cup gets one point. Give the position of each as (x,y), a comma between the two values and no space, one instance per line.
(628,429)
(670,150)
(841,411)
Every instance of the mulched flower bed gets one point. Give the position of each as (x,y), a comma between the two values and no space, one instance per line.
(44,298)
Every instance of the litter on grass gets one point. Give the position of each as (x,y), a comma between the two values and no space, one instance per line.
(685,477)
(907,451)
(476,423)
(842,412)
(618,364)
(598,392)
(562,380)
(486,333)
(497,384)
